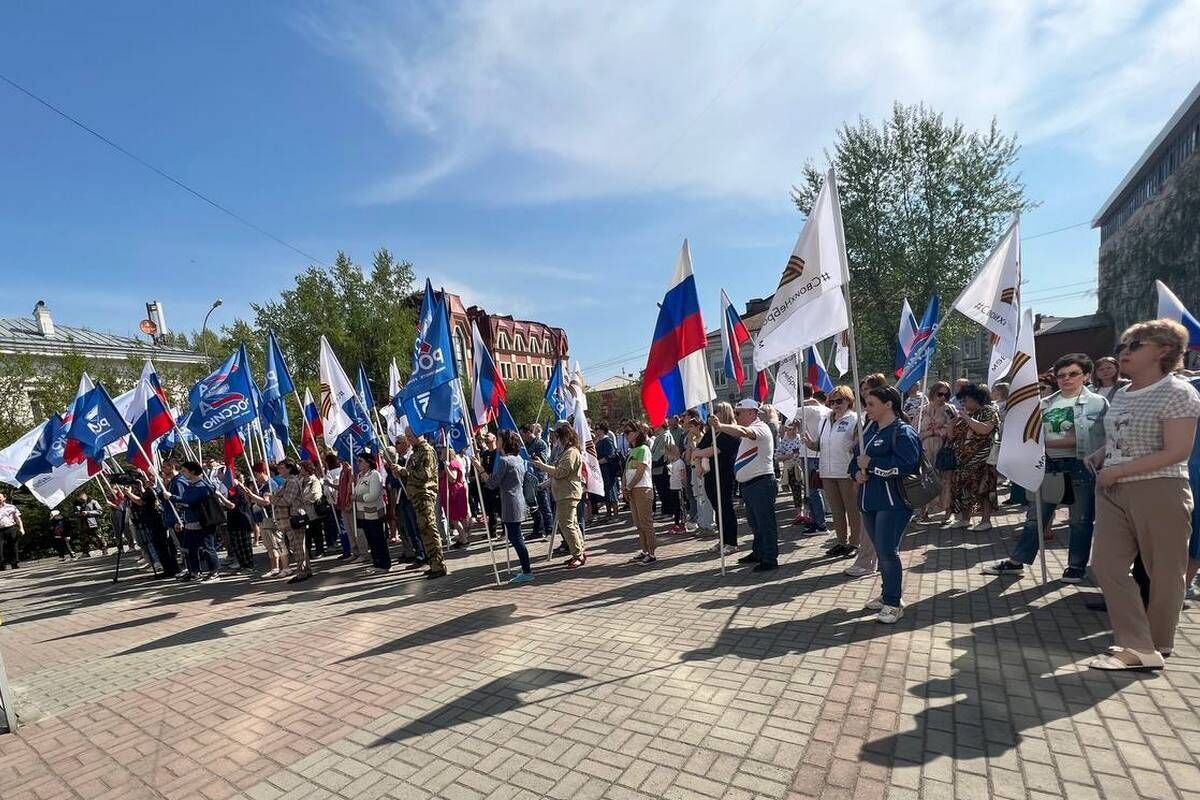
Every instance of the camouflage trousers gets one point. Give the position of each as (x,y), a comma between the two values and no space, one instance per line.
(425,508)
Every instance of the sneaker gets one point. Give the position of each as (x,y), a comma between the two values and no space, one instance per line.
(838,549)
(440,573)
(980,526)
(889,615)
(185,577)
(855,571)
(211,577)
(877,604)
(649,559)
(639,558)
(1192,592)
(729,549)
(954,524)
(273,573)
(1004,567)
(1072,575)
(521,577)
(716,548)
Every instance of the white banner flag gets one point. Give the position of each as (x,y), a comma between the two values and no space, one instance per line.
(786,389)
(808,306)
(336,392)
(1022,448)
(593,480)
(993,299)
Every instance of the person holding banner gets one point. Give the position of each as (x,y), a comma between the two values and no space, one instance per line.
(1144,503)
(508,478)
(892,451)
(719,478)
(974,477)
(566,484)
(420,484)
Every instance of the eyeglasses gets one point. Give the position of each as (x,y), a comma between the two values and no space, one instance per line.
(943,395)
(840,401)
(1062,376)
(1133,345)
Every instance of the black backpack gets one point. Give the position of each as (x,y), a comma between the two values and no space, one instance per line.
(210,513)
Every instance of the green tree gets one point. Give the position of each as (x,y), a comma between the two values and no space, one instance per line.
(525,398)
(923,202)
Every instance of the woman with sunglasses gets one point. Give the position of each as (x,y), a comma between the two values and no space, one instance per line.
(1144,503)
(934,429)
(834,443)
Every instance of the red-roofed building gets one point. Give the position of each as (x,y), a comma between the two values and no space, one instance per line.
(523,349)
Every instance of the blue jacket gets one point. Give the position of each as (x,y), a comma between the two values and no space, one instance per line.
(189,496)
(174,488)
(895,452)
(1090,409)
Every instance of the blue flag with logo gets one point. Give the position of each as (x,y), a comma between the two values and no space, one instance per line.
(277,385)
(923,347)
(428,398)
(224,400)
(95,424)
(364,388)
(556,392)
(359,437)
(47,452)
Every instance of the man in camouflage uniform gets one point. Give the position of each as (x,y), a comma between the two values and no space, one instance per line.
(420,484)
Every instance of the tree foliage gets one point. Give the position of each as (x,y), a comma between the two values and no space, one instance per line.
(923,202)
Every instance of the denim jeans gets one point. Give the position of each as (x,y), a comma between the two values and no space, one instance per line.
(816,507)
(759,495)
(513,529)
(1082,519)
(543,514)
(886,528)
(201,545)
(408,521)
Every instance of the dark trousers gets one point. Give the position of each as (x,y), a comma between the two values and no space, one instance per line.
(381,557)
(886,528)
(201,545)
(241,548)
(8,547)
(163,549)
(543,514)
(513,530)
(408,523)
(759,494)
(728,519)
(314,537)
(63,545)
(662,490)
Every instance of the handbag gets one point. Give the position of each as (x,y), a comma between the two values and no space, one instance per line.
(299,520)
(922,485)
(945,459)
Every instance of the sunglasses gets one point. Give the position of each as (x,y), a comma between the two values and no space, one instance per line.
(943,395)
(840,401)
(1062,376)
(1133,345)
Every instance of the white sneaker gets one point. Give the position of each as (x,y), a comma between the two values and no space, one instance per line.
(953,524)
(274,573)
(716,548)
(856,571)
(729,549)
(890,615)
(980,526)
(877,604)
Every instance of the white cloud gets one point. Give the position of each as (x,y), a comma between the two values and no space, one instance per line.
(538,100)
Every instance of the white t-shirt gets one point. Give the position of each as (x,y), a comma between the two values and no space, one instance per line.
(638,455)
(837,446)
(1134,424)
(9,515)
(678,472)
(755,457)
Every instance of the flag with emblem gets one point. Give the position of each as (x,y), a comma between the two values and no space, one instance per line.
(993,299)
(1022,448)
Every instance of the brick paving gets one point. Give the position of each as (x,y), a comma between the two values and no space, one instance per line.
(616,681)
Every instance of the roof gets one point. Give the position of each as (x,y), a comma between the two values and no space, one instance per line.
(1057,325)
(20,335)
(1192,101)
(615,382)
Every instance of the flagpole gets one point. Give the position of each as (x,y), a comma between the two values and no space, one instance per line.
(831,177)
(1037,499)
(804,488)
(157,477)
(462,400)
(717,482)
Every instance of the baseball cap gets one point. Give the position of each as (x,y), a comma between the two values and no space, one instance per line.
(747,405)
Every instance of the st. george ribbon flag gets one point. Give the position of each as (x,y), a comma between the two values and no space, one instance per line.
(224,400)
(809,305)
(1171,307)
(676,376)
(924,345)
(1022,449)
(993,299)
(906,335)
(347,427)
(429,397)
(277,385)
(787,390)
(487,386)
(557,393)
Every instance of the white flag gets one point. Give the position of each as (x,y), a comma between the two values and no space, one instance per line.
(841,353)
(786,389)
(593,480)
(336,392)
(808,306)
(993,299)
(1022,449)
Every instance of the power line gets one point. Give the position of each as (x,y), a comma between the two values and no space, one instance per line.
(161,173)
(1056,230)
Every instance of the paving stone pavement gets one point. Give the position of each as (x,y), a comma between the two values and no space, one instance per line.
(615,681)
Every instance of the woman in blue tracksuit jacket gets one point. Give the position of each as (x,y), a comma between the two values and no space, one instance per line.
(893,450)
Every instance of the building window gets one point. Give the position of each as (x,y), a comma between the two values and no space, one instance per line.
(505,370)
(501,341)
(971,346)
(546,346)
(537,368)
(519,343)
(534,344)
(718,375)
(460,351)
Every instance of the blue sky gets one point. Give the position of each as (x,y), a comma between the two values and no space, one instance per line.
(542,158)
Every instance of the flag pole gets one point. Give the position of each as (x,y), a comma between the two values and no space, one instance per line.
(468,413)
(717,483)
(1037,499)
(804,487)
(831,177)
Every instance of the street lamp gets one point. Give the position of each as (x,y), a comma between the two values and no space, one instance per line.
(204,325)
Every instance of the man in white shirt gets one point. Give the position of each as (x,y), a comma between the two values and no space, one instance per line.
(754,469)
(813,414)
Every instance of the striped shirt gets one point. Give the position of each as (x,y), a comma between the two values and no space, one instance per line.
(756,456)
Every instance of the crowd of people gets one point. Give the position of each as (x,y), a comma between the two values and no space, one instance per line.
(1121,456)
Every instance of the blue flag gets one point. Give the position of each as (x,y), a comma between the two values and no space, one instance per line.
(47,453)
(95,424)
(556,392)
(505,422)
(359,437)
(277,385)
(364,388)
(428,398)
(223,401)
(923,347)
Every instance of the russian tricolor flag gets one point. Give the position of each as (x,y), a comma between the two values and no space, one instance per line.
(817,377)
(487,388)
(1170,307)
(313,428)
(734,334)
(152,418)
(676,376)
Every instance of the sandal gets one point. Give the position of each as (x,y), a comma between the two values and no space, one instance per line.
(1119,660)
(574,563)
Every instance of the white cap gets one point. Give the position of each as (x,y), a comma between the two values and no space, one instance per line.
(747,404)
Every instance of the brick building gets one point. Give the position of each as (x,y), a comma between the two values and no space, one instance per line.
(523,349)
(727,390)
(1148,226)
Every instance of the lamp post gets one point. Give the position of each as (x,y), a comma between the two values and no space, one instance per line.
(204,325)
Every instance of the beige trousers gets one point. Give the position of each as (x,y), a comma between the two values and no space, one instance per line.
(1154,518)
(568,525)
(843,503)
(641,503)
